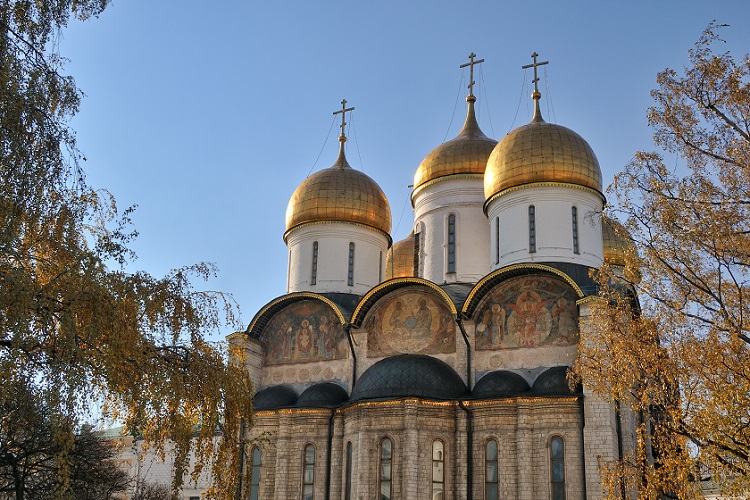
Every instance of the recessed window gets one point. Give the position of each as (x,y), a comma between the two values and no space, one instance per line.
(348,485)
(380,268)
(384,472)
(417,240)
(557,468)
(350,275)
(451,243)
(490,470)
(497,240)
(574,214)
(438,470)
(255,474)
(532,229)
(308,474)
(314,276)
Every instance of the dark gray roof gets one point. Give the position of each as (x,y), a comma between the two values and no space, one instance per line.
(500,384)
(579,273)
(457,292)
(346,302)
(322,395)
(553,382)
(276,396)
(406,375)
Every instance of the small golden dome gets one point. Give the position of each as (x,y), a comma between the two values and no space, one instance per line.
(339,194)
(541,152)
(616,242)
(466,154)
(399,260)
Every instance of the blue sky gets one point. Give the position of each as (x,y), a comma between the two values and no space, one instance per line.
(207,115)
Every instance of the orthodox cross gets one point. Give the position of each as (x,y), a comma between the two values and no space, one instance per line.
(471,71)
(535,65)
(343,111)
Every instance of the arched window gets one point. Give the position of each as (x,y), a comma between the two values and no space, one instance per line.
(438,470)
(574,214)
(557,467)
(490,470)
(255,474)
(348,484)
(380,268)
(308,474)
(451,243)
(532,229)
(497,240)
(384,472)
(417,239)
(350,275)
(314,276)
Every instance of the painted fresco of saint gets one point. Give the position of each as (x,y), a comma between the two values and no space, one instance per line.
(530,320)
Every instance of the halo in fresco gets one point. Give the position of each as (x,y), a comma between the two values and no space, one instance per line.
(410,322)
(527,312)
(303,332)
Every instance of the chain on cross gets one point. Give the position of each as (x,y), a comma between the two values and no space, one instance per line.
(471,64)
(342,112)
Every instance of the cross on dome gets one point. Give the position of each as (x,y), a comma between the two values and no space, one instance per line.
(471,64)
(342,112)
(535,65)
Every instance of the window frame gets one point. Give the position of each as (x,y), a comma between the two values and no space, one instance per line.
(574,217)
(417,251)
(314,273)
(557,484)
(497,240)
(450,243)
(348,471)
(255,467)
(350,267)
(487,463)
(381,461)
(532,229)
(441,463)
(305,466)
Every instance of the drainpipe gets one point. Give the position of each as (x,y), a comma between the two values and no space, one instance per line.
(583,444)
(348,330)
(468,349)
(618,427)
(238,495)
(469,449)
(330,450)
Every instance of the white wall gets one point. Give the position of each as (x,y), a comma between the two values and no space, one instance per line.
(333,257)
(463,197)
(554,228)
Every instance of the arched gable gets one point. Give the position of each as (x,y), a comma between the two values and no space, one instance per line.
(525,307)
(300,328)
(407,316)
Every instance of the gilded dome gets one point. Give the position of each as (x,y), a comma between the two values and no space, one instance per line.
(616,242)
(466,154)
(399,260)
(541,152)
(339,194)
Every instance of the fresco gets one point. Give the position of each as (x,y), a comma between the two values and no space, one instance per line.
(527,312)
(410,321)
(303,332)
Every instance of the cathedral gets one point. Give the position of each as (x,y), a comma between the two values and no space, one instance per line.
(435,367)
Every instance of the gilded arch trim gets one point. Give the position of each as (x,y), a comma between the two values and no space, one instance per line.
(263,316)
(379,291)
(481,288)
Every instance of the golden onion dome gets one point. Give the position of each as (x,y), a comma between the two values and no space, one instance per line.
(466,154)
(541,152)
(616,242)
(339,194)
(399,260)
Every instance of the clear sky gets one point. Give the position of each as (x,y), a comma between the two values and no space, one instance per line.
(207,115)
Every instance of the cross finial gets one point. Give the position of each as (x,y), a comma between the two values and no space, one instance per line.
(342,111)
(536,95)
(471,64)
